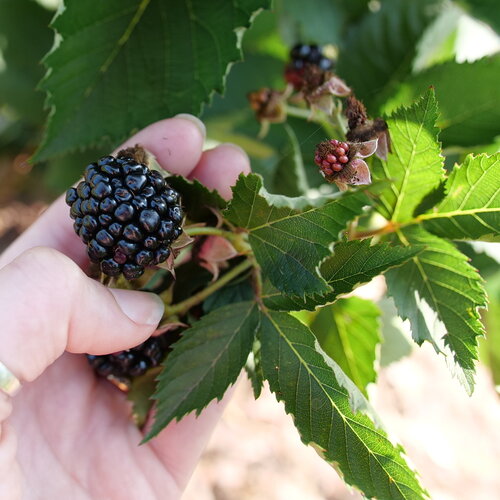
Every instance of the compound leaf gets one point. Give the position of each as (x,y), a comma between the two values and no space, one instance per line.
(204,362)
(471,208)
(440,293)
(321,398)
(349,332)
(119,65)
(290,243)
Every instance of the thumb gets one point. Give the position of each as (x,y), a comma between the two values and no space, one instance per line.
(48,305)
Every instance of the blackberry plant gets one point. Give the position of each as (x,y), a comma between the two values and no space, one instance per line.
(384,162)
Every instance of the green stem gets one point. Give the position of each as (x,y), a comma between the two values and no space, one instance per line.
(298,112)
(238,240)
(339,120)
(207,230)
(331,129)
(183,307)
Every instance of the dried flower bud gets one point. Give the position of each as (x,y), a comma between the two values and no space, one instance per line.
(361,129)
(268,105)
(319,87)
(355,112)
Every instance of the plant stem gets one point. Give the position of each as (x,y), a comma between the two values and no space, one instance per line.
(390,227)
(298,112)
(206,230)
(238,240)
(331,129)
(183,307)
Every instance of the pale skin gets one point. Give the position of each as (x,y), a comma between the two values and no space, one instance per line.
(67,434)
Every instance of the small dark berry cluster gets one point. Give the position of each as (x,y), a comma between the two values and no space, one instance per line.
(125,365)
(332,157)
(302,54)
(126,214)
(302,57)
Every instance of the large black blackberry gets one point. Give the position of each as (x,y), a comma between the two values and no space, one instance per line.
(302,55)
(125,213)
(122,367)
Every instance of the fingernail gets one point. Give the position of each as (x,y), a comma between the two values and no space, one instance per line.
(196,121)
(143,308)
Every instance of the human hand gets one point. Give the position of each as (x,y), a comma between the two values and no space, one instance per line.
(70,435)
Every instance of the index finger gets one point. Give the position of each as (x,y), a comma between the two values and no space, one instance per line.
(177,145)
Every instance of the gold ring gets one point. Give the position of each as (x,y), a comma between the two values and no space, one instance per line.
(9,383)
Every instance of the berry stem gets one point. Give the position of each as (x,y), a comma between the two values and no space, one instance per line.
(306,114)
(337,114)
(298,112)
(238,240)
(183,307)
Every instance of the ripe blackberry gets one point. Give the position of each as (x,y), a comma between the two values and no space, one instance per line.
(125,213)
(331,156)
(122,367)
(301,56)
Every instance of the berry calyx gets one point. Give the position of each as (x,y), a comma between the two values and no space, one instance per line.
(120,208)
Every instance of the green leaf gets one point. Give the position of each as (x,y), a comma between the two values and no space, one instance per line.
(380,50)
(440,293)
(239,290)
(204,362)
(352,263)
(415,166)
(471,208)
(196,198)
(318,21)
(396,343)
(486,265)
(290,176)
(289,244)
(490,353)
(348,331)
(320,398)
(467,94)
(253,368)
(119,65)
(24,38)
(140,393)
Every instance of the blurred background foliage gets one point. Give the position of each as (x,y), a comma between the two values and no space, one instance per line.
(388,51)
